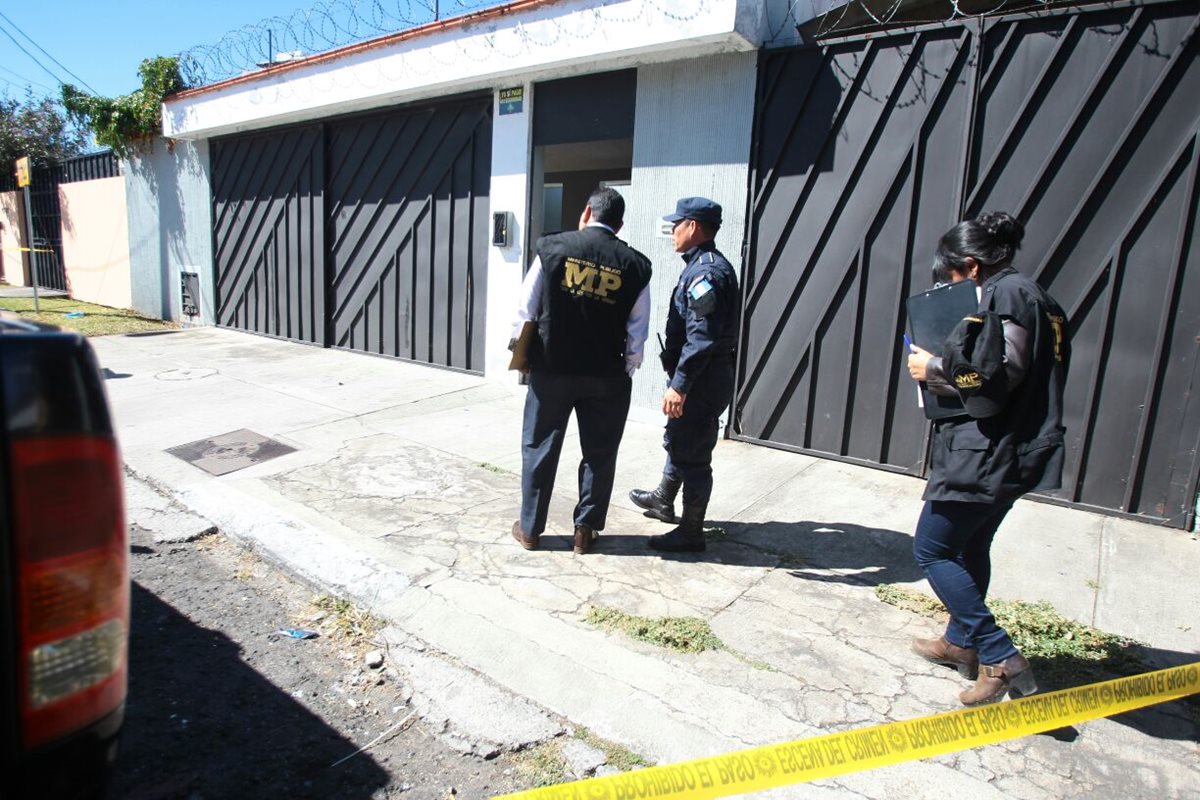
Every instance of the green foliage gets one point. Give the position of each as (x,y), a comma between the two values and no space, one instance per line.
(40,129)
(122,122)
(1039,631)
(543,765)
(615,755)
(685,634)
(909,600)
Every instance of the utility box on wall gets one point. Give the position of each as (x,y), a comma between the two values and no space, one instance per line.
(502,227)
(189,296)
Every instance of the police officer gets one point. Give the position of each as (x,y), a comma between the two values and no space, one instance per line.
(588,293)
(698,355)
(1008,364)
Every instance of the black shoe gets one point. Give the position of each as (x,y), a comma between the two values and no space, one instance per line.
(687,537)
(658,503)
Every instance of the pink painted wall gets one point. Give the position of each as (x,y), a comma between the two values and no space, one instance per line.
(95,231)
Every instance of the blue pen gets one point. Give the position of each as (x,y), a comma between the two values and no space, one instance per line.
(908,343)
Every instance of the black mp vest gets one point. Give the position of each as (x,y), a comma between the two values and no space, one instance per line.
(590,282)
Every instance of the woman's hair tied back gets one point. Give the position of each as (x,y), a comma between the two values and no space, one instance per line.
(1002,227)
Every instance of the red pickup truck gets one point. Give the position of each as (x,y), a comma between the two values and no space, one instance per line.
(64,568)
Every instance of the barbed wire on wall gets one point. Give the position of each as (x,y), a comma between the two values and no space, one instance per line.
(331,24)
(325,26)
(835,17)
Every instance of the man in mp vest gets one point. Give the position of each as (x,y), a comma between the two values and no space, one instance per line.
(588,293)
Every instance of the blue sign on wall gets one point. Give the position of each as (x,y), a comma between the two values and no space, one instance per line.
(512,101)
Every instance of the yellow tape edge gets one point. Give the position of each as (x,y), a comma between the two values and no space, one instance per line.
(826,756)
(27,249)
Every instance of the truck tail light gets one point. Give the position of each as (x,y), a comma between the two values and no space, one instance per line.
(72,557)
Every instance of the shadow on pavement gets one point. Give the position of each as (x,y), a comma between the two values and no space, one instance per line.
(854,554)
(1178,719)
(819,551)
(200,722)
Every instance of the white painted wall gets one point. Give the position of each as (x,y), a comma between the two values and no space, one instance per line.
(542,41)
(511,143)
(691,137)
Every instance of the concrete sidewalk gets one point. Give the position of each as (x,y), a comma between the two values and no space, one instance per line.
(403,487)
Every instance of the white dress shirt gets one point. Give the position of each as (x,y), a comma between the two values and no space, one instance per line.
(637,327)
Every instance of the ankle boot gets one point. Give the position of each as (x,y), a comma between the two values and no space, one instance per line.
(688,537)
(1012,676)
(659,502)
(585,537)
(940,651)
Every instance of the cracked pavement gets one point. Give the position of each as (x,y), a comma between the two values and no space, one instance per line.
(405,482)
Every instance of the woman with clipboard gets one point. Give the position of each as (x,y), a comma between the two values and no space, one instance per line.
(1007,364)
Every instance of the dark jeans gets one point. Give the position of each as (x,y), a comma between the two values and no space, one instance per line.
(953,547)
(690,439)
(601,406)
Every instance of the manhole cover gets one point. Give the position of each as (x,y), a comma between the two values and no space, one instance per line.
(184,374)
(231,451)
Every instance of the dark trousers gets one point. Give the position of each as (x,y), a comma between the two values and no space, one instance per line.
(690,439)
(953,547)
(601,406)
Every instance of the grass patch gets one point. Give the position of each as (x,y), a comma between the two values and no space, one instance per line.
(715,534)
(543,765)
(909,600)
(96,320)
(683,634)
(493,468)
(1064,653)
(338,618)
(615,755)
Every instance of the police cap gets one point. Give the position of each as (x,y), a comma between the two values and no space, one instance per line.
(700,209)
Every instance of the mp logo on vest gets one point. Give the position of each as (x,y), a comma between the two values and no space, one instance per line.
(589,279)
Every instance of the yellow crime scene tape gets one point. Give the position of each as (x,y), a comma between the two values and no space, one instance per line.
(27,249)
(834,754)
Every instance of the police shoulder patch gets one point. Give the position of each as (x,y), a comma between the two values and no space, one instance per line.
(701,297)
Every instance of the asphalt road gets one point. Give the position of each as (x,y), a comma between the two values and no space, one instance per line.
(222,706)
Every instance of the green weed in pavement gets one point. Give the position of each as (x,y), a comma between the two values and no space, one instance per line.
(543,764)
(684,634)
(615,755)
(1064,653)
(909,600)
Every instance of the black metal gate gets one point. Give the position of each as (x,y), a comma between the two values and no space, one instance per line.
(269,233)
(1085,125)
(367,233)
(47,227)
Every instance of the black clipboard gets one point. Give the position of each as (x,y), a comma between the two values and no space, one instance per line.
(931,317)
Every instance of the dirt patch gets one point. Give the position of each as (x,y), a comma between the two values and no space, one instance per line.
(222,705)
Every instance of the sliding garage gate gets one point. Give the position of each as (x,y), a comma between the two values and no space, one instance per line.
(1085,125)
(367,233)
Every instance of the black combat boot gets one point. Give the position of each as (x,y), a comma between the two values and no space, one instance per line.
(658,503)
(688,537)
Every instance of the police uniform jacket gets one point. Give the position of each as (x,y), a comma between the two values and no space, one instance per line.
(590,282)
(1021,449)
(702,322)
